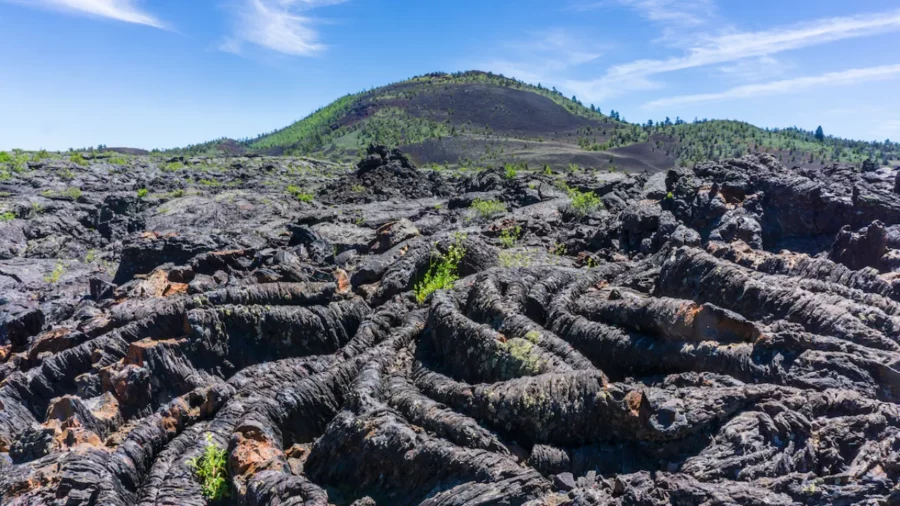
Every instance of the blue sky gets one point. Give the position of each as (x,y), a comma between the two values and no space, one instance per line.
(165,73)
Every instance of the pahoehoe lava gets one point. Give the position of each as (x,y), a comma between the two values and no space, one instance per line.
(722,334)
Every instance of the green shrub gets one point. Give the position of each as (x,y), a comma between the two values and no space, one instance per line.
(36,208)
(210,470)
(5,157)
(78,159)
(8,216)
(584,203)
(442,273)
(670,196)
(548,171)
(299,194)
(510,172)
(173,166)
(209,182)
(73,192)
(40,155)
(142,193)
(510,236)
(117,160)
(90,256)
(488,208)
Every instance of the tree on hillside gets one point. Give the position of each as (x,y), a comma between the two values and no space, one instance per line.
(820,134)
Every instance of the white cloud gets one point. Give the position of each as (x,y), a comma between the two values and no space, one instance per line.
(276,25)
(682,13)
(755,69)
(544,56)
(842,78)
(720,49)
(121,10)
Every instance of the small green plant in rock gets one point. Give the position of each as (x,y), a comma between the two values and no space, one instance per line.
(299,194)
(7,216)
(488,208)
(510,172)
(509,236)
(211,471)
(57,273)
(36,208)
(5,157)
(142,193)
(78,159)
(73,192)
(90,256)
(515,259)
(173,166)
(558,249)
(357,188)
(584,203)
(548,171)
(442,273)
(670,196)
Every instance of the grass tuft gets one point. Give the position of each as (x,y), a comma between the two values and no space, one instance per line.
(488,208)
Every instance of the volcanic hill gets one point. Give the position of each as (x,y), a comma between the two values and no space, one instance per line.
(477,119)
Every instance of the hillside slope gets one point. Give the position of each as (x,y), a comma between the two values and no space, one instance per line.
(478,119)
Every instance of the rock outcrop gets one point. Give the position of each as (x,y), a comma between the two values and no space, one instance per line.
(723,334)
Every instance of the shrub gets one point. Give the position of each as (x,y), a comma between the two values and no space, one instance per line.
(77,159)
(488,208)
(73,192)
(670,196)
(510,172)
(8,216)
(210,470)
(510,236)
(142,193)
(299,194)
(584,202)
(548,171)
(173,166)
(5,157)
(442,273)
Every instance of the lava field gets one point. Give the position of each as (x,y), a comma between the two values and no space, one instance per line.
(726,334)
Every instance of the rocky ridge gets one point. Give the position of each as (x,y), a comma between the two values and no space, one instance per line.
(722,334)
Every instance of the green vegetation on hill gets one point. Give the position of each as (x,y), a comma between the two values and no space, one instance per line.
(479,118)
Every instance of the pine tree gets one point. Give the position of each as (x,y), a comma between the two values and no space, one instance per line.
(820,134)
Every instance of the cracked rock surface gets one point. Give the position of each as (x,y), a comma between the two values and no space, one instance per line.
(727,334)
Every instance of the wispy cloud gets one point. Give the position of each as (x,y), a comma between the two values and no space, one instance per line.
(842,78)
(720,49)
(278,25)
(545,54)
(683,13)
(121,10)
